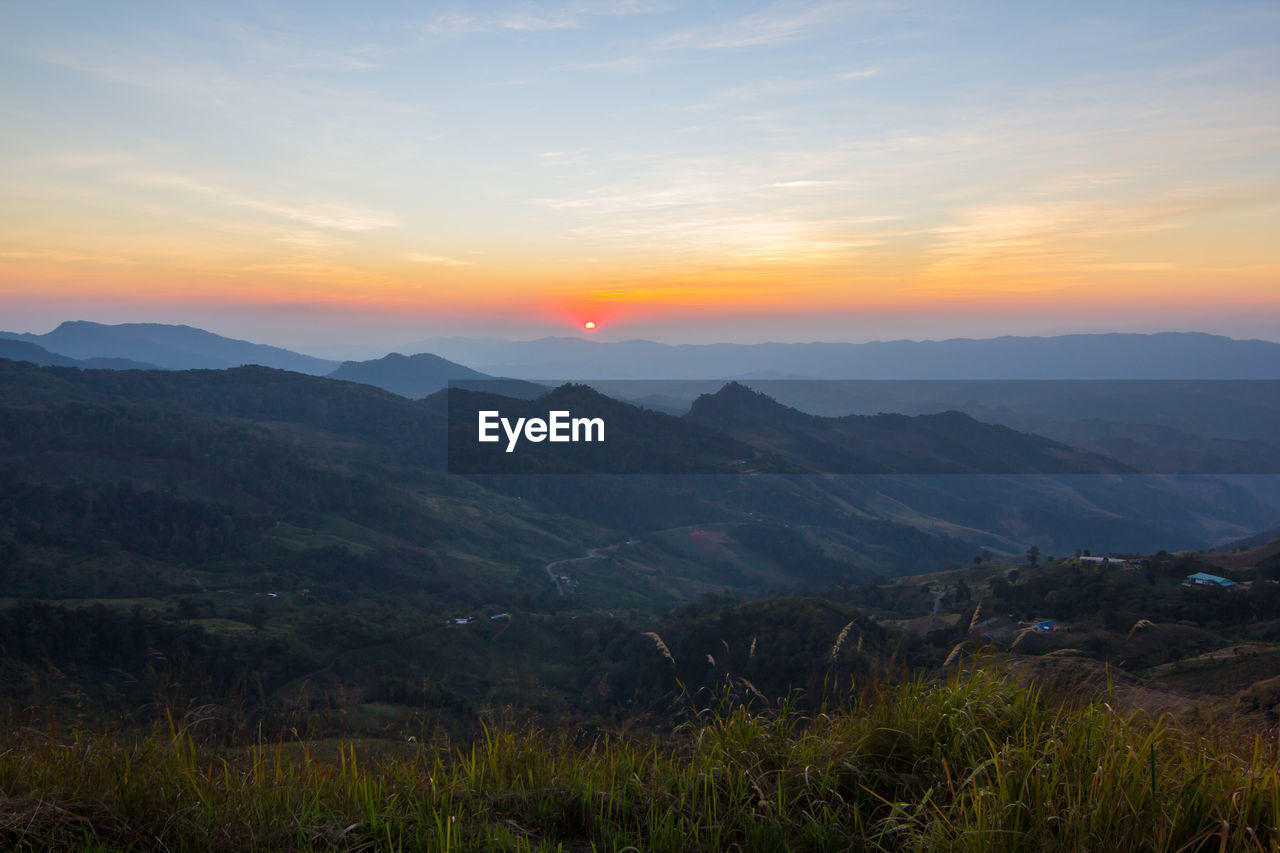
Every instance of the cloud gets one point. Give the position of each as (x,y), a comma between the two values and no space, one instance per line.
(562,158)
(333,276)
(64,257)
(337,217)
(780,22)
(755,239)
(1131,266)
(529,18)
(292,93)
(456,24)
(796,184)
(613,200)
(861,74)
(300,238)
(89,160)
(633,64)
(419,258)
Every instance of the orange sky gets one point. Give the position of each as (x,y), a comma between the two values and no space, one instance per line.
(782,171)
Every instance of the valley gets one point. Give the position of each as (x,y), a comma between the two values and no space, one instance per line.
(302,539)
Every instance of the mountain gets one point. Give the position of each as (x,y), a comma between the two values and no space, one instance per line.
(167,346)
(298,533)
(417,376)
(1167,355)
(1155,426)
(946,473)
(16,350)
(337,419)
(945,443)
(362,428)
(412,376)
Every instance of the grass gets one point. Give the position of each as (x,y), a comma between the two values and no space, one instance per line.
(972,763)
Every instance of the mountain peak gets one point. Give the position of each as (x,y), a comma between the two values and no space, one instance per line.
(737,404)
(414,376)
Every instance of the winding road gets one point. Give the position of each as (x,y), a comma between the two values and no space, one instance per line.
(592,554)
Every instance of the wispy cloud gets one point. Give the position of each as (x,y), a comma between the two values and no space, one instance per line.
(461,24)
(562,158)
(300,238)
(338,217)
(419,258)
(295,48)
(633,64)
(319,273)
(769,90)
(747,239)
(802,184)
(64,257)
(780,22)
(269,91)
(617,199)
(533,18)
(1129,266)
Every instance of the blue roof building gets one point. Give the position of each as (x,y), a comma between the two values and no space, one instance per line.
(1202,579)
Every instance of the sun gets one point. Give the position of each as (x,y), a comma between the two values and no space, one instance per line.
(589,325)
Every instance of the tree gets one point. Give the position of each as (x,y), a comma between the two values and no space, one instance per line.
(1033,555)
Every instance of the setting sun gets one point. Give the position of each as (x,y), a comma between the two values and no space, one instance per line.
(589,325)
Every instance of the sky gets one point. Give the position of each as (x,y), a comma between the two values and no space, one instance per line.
(319,175)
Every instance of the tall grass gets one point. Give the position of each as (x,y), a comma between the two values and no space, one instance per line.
(975,763)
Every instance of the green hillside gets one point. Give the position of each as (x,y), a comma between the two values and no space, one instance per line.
(291,545)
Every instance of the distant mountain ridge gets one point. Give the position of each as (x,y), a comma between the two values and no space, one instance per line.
(17,350)
(412,376)
(945,443)
(356,426)
(174,347)
(1164,355)
(151,346)
(421,375)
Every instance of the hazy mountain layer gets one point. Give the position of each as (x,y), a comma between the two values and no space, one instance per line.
(18,350)
(1168,355)
(173,347)
(412,376)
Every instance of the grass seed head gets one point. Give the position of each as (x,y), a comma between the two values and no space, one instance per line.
(661,646)
(1141,623)
(844,632)
(977,612)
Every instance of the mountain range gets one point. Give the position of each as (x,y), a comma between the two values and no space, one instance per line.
(1169,355)
(1168,425)
(19,350)
(166,346)
(301,534)
(735,430)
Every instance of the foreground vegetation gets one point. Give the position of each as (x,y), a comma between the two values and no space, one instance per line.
(975,763)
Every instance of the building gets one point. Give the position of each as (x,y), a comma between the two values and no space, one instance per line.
(1203,579)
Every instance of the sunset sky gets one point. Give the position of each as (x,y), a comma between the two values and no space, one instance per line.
(318,173)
